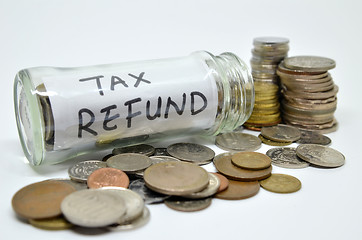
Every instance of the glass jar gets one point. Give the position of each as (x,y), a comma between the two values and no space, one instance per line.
(63,113)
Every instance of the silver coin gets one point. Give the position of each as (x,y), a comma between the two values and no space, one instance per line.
(80,171)
(281,133)
(237,141)
(286,158)
(270,40)
(144,149)
(157,159)
(211,189)
(93,208)
(161,152)
(191,152)
(310,63)
(320,155)
(147,194)
(313,137)
(136,223)
(134,203)
(129,162)
(188,205)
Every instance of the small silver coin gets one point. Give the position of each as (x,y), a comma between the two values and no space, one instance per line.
(136,223)
(211,189)
(286,158)
(281,133)
(237,141)
(188,205)
(93,208)
(320,155)
(129,162)
(310,63)
(144,149)
(147,194)
(80,171)
(191,152)
(313,137)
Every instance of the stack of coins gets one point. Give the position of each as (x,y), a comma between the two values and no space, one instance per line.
(268,52)
(309,93)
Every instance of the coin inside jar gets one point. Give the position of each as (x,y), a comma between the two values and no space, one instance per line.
(251,160)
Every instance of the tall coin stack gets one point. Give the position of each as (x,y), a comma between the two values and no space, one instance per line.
(267,53)
(309,93)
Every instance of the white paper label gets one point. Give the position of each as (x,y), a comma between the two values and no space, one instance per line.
(131,99)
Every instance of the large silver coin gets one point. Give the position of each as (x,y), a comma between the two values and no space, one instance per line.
(134,203)
(147,194)
(211,189)
(281,133)
(136,223)
(129,162)
(310,63)
(320,155)
(80,171)
(144,149)
(188,205)
(312,137)
(237,141)
(191,152)
(93,208)
(286,158)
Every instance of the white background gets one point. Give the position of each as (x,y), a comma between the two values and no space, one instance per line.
(75,33)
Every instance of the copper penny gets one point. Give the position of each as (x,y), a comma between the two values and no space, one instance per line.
(41,200)
(224,165)
(239,190)
(251,160)
(224,182)
(107,177)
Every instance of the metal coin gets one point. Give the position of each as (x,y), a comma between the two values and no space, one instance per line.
(270,40)
(251,160)
(144,149)
(106,177)
(147,194)
(224,182)
(273,143)
(105,158)
(281,183)
(80,171)
(191,152)
(188,205)
(224,165)
(136,223)
(129,162)
(320,155)
(176,178)
(286,158)
(41,200)
(77,185)
(211,189)
(281,133)
(313,138)
(93,208)
(236,141)
(310,63)
(161,152)
(134,203)
(56,223)
(163,158)
(239,190)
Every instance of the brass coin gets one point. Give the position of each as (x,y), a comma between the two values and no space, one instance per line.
(41,200)
(188,205)
(107,177)
(273,143)
(281,133)
(56,223)
(281,183)
(176,178)
(224,165)
(224,182)
(251,160)
(239,190)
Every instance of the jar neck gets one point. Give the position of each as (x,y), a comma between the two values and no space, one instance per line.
(235,89)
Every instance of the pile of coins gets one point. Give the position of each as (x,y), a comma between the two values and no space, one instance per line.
(309,93)
(268,52)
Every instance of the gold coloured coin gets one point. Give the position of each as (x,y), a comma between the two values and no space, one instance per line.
(56,223)
(239,190)
(251,160)
(176,178)
(273,143)
(281,183)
